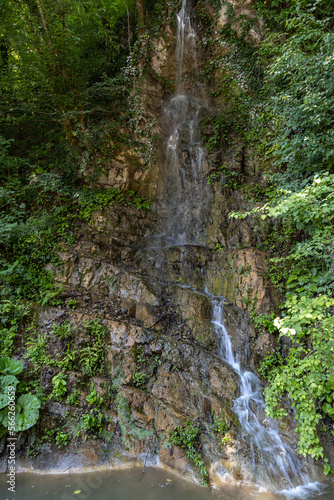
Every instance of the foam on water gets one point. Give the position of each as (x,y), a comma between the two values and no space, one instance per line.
(303,491)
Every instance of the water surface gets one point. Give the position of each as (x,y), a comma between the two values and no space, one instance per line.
(129,484)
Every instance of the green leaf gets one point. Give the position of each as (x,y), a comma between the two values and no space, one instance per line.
(26,412)
(327,470)
(10,366)
(30,411)
(7,381)
(327,408)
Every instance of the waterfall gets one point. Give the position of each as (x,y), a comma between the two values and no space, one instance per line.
(184,184)
(275,464)
(184,190)
(186,194)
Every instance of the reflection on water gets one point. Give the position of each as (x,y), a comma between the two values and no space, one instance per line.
(128,484)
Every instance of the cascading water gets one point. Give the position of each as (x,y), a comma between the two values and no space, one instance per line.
(184,187)
(275,464)
(186,43)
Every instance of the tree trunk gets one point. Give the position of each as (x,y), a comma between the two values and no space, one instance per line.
(141,15)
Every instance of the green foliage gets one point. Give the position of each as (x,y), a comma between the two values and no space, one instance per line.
(91,200)
(94,398)
(74,398)
(139,379)
(36,350)
(62,439)
(220,426)
(265,321)
(16,413)
(307,319)
(219,247)
(306,376)
(228,177)
(298,140)
(76,106)
(12,314)
(146,364)
(92,355)
(271,365)
(77,89)
(187,437)
(75,45)
(307,316)
(72,304)
(10,366)
(61,330)
(59,384)
(302,98)
(67,362)
(218,133)
(26,413)
(26,245)
(29,242)
(91,422)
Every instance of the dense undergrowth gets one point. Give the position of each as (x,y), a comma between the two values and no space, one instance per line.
(67,74)
(41,216)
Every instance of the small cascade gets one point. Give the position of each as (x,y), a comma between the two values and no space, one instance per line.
(186,43)
(184,186)
(184,192)
(275,464)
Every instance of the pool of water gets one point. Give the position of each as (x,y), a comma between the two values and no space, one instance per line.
(129,484)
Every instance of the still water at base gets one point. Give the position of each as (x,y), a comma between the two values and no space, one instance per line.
(129,484)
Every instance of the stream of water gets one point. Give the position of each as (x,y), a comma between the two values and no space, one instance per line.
(275,465)
(184,191)
(186,41)
(184,188)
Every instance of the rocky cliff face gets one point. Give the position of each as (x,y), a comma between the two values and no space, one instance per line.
(160,366)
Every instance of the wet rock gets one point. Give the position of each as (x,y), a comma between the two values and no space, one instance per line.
(46,377)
